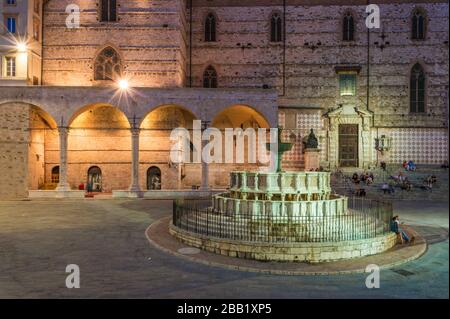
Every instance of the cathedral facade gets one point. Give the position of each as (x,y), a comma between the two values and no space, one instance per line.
(90,90)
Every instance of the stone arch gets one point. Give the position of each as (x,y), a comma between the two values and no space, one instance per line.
(244,117)
(160,107)
(239,114)
(31,143)
(155,145)
(96,106)
(46,114)
(100,135)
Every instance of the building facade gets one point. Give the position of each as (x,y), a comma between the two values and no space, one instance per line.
(370,95)
(20,42)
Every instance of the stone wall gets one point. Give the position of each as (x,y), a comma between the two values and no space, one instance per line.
(14,138)
(149,35)
(311,80)
(244,57)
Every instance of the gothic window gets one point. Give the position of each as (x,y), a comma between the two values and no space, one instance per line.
(418,25)
(417,89)
(108,10)
(210,28)
(210,78)
(348,27)
(107,65)
(276,28)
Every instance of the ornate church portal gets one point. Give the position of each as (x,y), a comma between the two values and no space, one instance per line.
(350,138)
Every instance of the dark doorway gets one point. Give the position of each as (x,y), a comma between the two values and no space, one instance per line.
(55,175)
(348,145)
(153,178)
(94,179)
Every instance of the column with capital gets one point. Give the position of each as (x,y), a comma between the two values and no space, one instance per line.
(205,166)
(134,187)
(63,185)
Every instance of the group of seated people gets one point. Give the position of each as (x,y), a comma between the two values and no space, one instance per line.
(429,182)
(402,181)
(366,177)
(409,165)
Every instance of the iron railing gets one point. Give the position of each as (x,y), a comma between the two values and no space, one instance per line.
(364,219)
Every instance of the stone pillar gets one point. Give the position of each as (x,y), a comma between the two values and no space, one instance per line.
(134,187)
(63,185)
(205,166)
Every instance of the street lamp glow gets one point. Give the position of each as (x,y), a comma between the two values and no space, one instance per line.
(21,47)
(123,84)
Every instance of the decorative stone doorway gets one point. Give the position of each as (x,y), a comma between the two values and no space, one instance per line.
(348,145)
(95,179)
(153,178)
(350,142)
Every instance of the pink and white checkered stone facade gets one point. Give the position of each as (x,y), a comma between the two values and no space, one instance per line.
(422,145)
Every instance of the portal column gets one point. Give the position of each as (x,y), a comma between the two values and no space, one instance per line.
(205,166)
(63,185)
(134,187)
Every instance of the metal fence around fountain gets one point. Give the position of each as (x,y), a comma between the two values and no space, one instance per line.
(364,219)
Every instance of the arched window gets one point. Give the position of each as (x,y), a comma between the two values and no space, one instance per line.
(108,10)
(107,65)
(210,28)
(348,27)
(418,25)
(276,27)
(417,89)
(210,78)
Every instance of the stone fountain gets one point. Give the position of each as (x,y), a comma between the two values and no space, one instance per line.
(285,216)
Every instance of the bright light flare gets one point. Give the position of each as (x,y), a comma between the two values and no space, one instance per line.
(123,84)
(21,47)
